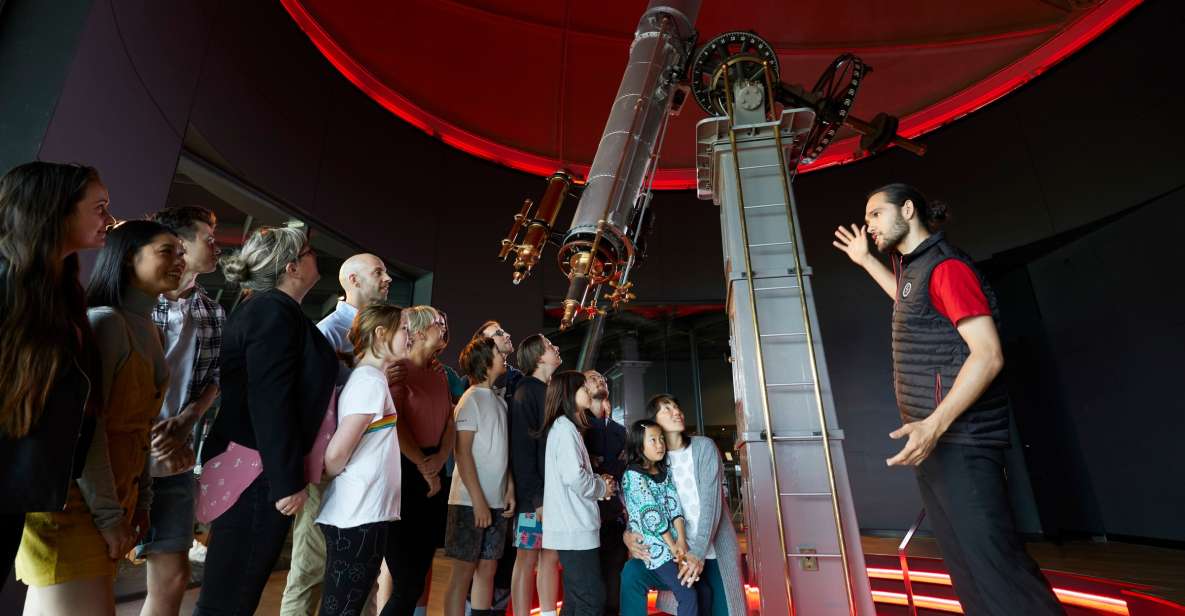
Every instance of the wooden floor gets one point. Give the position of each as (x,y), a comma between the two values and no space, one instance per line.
(1160,567)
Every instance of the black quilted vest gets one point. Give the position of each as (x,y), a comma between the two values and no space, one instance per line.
(928,351)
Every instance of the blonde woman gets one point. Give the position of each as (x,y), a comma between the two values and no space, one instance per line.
(426,435)
(278,374)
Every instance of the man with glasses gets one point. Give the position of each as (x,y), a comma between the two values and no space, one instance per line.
(509,382)
(365,280)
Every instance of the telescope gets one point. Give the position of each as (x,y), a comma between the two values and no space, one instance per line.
(606,240)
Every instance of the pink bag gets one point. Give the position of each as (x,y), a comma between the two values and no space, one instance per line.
(225,476)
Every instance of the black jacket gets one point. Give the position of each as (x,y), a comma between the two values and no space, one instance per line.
(278,373)
(526,451)
(36,470)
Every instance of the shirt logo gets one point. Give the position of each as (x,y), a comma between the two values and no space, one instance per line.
(905,291)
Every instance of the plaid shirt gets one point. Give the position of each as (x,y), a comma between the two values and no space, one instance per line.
(209,317)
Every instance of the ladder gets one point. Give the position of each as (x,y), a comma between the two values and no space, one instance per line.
(804,545)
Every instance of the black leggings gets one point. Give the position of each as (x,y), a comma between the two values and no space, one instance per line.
(412,540)
(245,543)
(352,559)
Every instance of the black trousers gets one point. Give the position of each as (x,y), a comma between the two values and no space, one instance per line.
(966,498)
(352,560)
(613,556)
(245,543)
(12,526)
(584,590)
(412,540)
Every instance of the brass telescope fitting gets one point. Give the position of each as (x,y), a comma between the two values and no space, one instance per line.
(537,226)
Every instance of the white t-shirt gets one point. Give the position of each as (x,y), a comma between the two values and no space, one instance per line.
(682,465)
(483,411)
(367,490)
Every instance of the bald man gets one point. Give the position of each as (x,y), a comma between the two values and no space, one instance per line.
(365,280)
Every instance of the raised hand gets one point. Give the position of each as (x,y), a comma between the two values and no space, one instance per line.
(853,242)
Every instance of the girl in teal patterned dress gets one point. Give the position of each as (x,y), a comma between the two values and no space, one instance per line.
(652,504)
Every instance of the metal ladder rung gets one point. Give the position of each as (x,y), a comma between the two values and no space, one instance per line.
(774,288)
(809,439)
(772,166)
(758,207)
(803,385)
(770,244)
(798,555)
(805,494)
(799,335)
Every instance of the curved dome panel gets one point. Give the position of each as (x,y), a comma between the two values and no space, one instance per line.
(528,83)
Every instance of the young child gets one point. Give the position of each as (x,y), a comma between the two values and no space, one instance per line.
(481,500)
(363,459)
(652,504)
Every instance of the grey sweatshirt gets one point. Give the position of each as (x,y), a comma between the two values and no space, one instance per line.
(571,518)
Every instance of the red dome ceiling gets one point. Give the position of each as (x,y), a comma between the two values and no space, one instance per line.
(529,83)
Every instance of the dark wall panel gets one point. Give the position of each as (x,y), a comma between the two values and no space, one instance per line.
(107,117)
(1116,325)
(263,100)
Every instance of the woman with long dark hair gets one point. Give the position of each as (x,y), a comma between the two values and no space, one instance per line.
(68,558)
(48,212)
(713,555)
(570,493)
(278,373)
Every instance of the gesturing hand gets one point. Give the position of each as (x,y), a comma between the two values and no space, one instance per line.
(853,242)
(923,436)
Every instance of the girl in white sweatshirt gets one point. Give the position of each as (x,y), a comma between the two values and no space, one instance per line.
(570,493)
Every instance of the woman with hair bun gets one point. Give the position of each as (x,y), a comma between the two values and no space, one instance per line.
(278,373)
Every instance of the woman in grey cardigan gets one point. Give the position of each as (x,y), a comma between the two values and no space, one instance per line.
(714,556)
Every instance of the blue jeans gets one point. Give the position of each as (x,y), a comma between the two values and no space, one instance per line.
(637,580)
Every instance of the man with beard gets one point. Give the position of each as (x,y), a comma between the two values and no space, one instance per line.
(365,280)
(605,441)
(947,361)
(501,337)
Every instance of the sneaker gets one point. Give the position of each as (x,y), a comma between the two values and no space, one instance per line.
(197,553)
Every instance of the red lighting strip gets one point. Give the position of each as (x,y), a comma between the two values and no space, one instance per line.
(1069,40)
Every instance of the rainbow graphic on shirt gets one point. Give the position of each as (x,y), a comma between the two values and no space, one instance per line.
(387,422)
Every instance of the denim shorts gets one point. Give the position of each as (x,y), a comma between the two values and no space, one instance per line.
(172,515)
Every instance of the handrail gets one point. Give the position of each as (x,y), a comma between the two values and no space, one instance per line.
(913,608)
